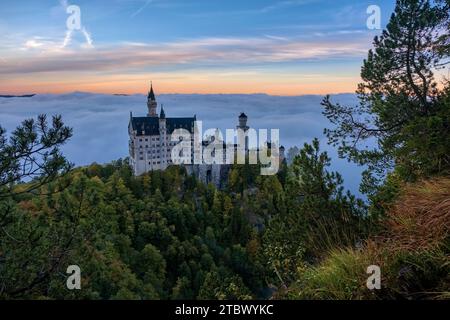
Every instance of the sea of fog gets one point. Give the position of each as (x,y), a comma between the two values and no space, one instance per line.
(100,121)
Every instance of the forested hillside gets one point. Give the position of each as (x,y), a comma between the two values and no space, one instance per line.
(158,236)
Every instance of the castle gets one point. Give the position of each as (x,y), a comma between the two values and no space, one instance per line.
(151,145)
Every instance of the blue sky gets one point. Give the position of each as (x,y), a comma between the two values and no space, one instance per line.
(166,20)
(206,46)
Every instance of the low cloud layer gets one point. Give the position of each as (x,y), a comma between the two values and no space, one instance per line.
(100,121)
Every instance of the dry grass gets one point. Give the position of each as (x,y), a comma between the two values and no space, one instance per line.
(412,253)
(420,218)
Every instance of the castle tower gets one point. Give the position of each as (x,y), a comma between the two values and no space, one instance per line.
(243,122)
(243,126)
(151,103)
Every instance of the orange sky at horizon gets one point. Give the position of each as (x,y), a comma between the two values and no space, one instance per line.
(189,85)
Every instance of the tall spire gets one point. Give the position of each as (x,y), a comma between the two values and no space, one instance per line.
(151,94)
(162,114)
(151,102)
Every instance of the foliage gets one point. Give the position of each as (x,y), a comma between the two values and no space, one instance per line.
(319,216)
(151,237)
(402,112)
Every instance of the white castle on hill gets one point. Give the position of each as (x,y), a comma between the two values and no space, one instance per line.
(151,145)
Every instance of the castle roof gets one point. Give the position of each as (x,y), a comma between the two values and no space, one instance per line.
(151,94)
(149,126)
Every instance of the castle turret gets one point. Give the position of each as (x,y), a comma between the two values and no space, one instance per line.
(164,154)
(243,122)
(243,126)
(151,103)
(162,122)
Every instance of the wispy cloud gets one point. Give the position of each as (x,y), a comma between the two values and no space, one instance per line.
(33,44)
(87,36)
(145,5)
(68,38)
(284,4)
(217,51)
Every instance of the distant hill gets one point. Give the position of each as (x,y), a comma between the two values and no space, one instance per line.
(22,96)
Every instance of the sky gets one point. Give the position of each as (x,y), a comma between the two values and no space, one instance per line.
(286,47)
(273,60)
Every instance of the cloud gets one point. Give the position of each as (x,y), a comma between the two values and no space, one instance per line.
(100,121)
(87,36)
(141,8)
(217,51)
(68,38)
(31,44)
(285,4)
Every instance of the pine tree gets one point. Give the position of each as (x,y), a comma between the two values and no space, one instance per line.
(399,94)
